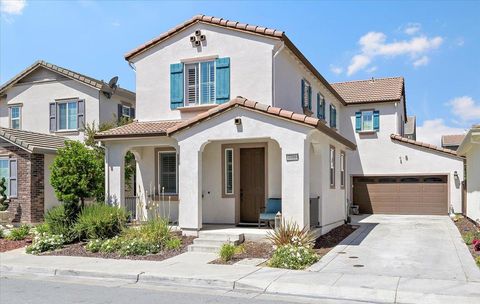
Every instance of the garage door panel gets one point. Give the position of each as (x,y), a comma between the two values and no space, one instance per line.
(401,195)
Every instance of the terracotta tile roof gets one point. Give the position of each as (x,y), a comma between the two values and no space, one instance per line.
(32,142)
(139,129)
(95,83)
(423,145)
(235,25)
(452,140)
(372,90)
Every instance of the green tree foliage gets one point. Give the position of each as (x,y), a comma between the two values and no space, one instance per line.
(77,173)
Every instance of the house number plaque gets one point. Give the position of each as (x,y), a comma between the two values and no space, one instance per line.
(292,157)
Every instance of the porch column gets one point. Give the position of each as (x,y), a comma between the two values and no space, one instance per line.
(190,188)
(114,175)
(296,181)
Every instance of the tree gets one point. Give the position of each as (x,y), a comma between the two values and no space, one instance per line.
(77,173)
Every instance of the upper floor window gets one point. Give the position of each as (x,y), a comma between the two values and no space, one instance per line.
(200,83)
(306,95)
(8,170)
(15,117)
(333,116)
(67,115)
(320,106)
(367,121)
(332,166)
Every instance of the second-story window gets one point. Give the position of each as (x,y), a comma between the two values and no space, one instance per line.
(320,106)
(306,95)
(200,83)
(332,167)
(67,115)
(367,121)
(333,116)
(15,117)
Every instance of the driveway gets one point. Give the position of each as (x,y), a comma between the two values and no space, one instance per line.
(420,247)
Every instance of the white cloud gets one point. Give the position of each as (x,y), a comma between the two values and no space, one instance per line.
(465,108)
(372,69)
(432,130)
(12,7)
(374,44)
(421,61)
(336,70)
(412,28)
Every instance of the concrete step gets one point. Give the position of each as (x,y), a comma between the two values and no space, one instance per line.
(221,236)
(213,242)
(204,248)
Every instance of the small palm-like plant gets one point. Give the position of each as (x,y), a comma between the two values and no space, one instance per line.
(289,233)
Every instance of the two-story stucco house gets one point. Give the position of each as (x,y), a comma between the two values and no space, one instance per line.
(231,114)
(40,108)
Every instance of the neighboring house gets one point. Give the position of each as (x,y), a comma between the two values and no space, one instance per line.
(410,129)
(452,142)
(217,156)
(39,109)
(470,148)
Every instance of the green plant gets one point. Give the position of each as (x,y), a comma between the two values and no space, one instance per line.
(20,233)
(2,233)
(42,228)
(477,260)
(100,221)
(3,195)
(173,243)
(59,221)
(111,245)
(138,247)
(76,173)
(94,245)
(293,257)
(290,233)
(45,242)
(227,251)
(470,236)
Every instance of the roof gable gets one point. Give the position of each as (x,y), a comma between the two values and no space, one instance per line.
(371,90)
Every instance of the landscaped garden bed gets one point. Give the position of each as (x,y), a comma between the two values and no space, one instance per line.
(7,245)
(16,238)
(471,235)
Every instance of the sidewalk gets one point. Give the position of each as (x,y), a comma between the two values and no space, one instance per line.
(191,269)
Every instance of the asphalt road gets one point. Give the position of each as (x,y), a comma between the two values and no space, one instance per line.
(24,290)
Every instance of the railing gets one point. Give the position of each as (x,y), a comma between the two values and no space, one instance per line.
(131,206)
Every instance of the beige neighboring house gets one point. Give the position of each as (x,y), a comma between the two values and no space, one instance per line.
(470,148)
(40,108)
(452,142)
(231,114)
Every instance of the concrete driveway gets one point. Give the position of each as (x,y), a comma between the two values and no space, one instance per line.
(420,247)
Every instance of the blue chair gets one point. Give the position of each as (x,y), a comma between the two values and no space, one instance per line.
(272,207)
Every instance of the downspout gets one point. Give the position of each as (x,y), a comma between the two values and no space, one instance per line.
(273,71)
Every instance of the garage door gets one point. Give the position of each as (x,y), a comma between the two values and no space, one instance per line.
(401,194)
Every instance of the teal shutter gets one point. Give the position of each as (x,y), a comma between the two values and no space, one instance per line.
(318,105)
(310,98)
(302,87)
(376,120)
(176,85)
(222,79)
(358,121)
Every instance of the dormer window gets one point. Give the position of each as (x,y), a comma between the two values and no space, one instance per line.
(200,83)
(367,121)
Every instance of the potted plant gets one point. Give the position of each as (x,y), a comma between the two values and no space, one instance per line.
(5,215)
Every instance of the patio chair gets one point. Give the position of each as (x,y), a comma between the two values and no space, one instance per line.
(272,207)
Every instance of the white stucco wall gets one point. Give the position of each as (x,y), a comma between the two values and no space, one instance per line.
(473,182)
(250,68)
(49,193)
(377,154)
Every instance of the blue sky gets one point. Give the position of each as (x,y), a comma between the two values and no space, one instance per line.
(434,45)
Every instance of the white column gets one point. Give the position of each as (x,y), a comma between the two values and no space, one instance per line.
(296,181)
(190,188)
(114,175)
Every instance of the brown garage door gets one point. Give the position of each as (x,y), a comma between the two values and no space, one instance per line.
(401,194)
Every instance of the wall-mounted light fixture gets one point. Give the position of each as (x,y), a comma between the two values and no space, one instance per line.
(455,174)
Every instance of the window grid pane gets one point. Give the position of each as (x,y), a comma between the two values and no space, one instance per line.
(367,120)
(208,82)
(72,115)
(192,83)
(228,171)
(62,116)
(5,173)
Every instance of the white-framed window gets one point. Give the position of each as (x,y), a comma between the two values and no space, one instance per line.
(126,111)
(332,166)
(306,95)
(229,174)
(200,83)
(8,170)
(367,120)
(167,172)
(67,115)
(15,117)
(342,169)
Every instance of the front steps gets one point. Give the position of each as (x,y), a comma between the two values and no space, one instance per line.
(211,242)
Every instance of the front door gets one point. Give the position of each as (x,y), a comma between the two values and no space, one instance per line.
(252,183)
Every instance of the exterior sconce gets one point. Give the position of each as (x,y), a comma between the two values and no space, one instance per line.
(455,174)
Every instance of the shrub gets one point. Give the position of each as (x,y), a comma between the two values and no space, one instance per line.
(477,260)
(59,222)
(289,233)
(138,247)
(476,244)
(20,233)
(45,242)
(42,228)
(94,245)
(227,251)
(293,257)
(111,245)
(470,236)
(173,243)
(100,221)
(2,233)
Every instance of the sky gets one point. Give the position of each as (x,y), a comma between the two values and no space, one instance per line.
(434,45)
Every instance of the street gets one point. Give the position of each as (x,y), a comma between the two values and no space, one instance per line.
(43,290)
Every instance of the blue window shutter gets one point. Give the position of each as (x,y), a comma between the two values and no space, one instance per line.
(302,93)
(222,82)
(310,97)
(176,85)
(358,121)
(376,120)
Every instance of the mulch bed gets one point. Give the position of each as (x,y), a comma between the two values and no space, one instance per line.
(7,245)
(252,250)
(78,249)
(465,225)
(326,242)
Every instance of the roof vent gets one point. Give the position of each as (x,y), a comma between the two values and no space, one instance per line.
(373,79)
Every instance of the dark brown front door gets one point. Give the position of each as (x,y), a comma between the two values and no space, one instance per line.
(252,183)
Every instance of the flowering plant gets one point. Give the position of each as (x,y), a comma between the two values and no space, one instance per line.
(293,257)
(45,242)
